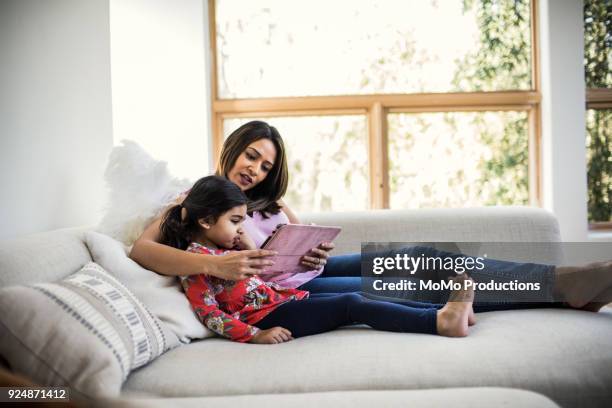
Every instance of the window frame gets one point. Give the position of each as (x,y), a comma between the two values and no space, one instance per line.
(376,107)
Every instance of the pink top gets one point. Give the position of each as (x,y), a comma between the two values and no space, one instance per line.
(259,229)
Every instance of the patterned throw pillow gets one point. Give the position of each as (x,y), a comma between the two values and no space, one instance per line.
(161,294)
(87,332)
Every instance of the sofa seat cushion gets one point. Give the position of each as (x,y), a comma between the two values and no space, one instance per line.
(563,354)
(477,397)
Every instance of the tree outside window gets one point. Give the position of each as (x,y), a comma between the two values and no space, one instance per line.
(598,76)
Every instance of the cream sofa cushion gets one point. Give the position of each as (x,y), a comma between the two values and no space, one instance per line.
(42,257)
(486,224)
(476,397)
(163,295)
(87,332)
(563,354)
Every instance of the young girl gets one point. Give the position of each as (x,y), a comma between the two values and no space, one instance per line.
(209,221)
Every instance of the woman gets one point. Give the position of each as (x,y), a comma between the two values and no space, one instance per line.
(253,157)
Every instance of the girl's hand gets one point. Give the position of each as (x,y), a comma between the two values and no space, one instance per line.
(246,242)
(293,219)
(317,257)
(274,335)
(239,265)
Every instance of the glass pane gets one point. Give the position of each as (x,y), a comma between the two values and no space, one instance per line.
(268,48)
(458,159)
(328,160)
(599,145)
(598,43)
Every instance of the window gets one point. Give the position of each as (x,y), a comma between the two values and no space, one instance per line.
(379,106)
(327,156)
(598,75)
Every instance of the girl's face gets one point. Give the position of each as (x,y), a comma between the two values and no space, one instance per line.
(253,164)
(225,233)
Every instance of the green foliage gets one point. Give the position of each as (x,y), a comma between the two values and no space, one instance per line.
(599,175)
(502,62)
(598,43)
(598,74)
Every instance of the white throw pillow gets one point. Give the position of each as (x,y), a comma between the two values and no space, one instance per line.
(86,332)
(163,295)
(140,187)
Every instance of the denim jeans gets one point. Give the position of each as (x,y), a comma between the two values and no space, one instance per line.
(323,312)
(343,274)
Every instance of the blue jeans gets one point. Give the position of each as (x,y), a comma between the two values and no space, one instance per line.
(323,312)
(343,274)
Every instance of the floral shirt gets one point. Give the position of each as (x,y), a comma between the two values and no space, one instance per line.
(230,308)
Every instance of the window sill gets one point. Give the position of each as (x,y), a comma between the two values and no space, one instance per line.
(600,236)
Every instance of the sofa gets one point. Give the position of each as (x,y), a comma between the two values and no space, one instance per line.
(543,357)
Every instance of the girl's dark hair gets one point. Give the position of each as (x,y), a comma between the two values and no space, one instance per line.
(264,196)
(209,198)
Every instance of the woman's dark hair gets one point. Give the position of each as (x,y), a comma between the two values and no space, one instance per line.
(209,198)
(264,196)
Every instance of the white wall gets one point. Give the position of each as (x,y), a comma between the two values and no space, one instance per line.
(563,115)
(159,80)
(55,113)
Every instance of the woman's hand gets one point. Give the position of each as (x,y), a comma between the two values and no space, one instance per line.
(274,335)
(239,265)
(317,257)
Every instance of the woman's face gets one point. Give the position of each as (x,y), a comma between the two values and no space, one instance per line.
(253,164)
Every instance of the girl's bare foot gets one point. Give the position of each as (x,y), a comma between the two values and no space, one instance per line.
(453,318)
(580,286)
(471,317)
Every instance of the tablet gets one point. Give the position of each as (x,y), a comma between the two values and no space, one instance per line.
(292,241)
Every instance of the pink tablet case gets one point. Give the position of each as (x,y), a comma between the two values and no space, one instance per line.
(292,241)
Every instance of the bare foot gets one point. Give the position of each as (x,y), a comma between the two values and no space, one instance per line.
(471,317)
(453,318)
(580,286)
(602,299)
(593,306)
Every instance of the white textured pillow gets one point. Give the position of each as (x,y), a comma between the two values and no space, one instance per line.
(163,295)
(140,187)
(87,332)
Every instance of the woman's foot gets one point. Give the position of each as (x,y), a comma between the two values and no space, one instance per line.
(603,299)
(593,306)
(453,318)
(584,286)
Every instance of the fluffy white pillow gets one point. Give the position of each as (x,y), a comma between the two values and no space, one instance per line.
(163,295)
(140,187)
